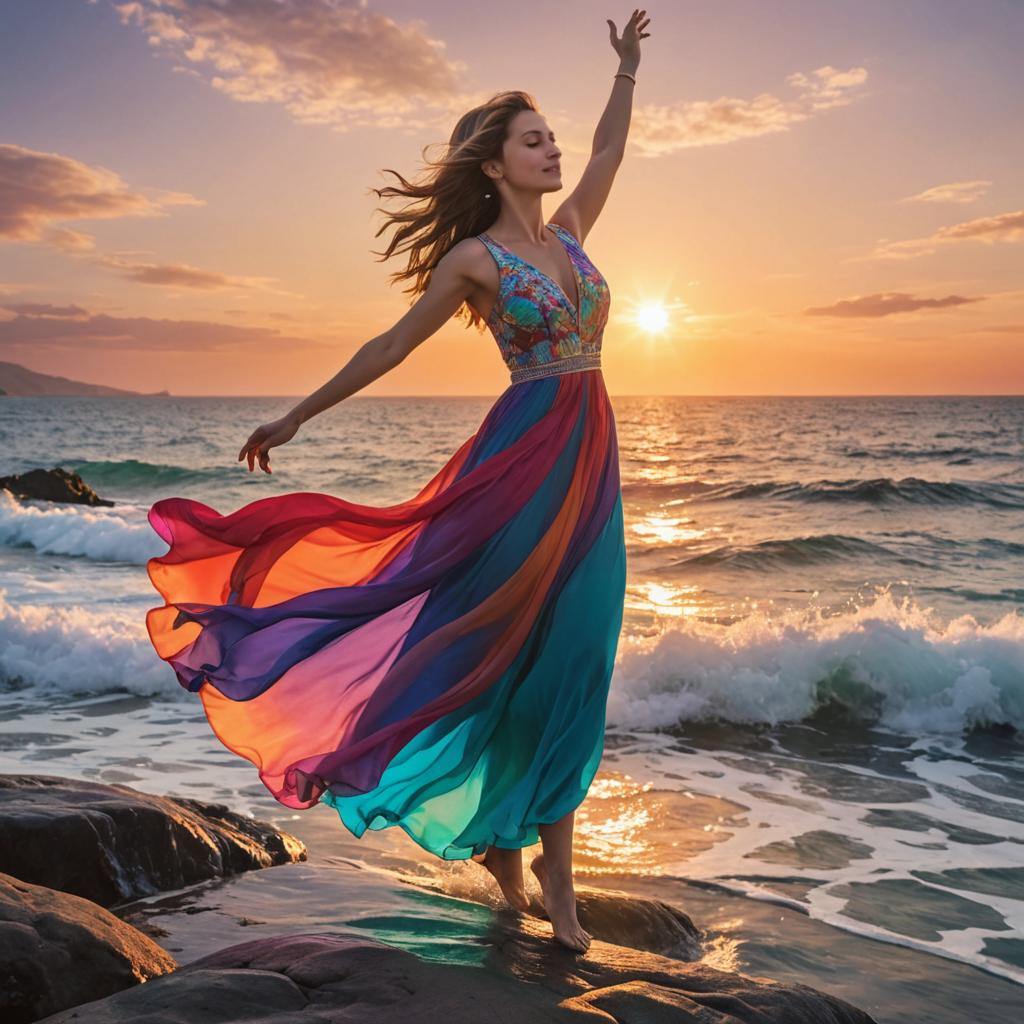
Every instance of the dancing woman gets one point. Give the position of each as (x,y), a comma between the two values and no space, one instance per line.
(441,664)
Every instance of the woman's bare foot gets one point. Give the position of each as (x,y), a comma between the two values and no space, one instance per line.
(507,868)
(560,903)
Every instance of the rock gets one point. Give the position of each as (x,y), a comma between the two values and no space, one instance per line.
(525,977)
(638,922)
(111,843)
(52,485)
(59,950)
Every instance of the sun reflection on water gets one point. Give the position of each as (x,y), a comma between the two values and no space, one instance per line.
(613,832)
(637,828)
(658,528)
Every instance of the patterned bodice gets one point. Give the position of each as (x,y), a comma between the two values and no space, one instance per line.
(536,325)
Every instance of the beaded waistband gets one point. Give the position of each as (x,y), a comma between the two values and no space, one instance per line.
(571,364)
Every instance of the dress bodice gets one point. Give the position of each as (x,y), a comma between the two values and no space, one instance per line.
(537,326)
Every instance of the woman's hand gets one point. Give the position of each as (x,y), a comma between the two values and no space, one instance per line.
(628,47)
(262,439)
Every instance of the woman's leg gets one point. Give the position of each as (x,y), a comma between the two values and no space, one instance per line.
(507,868)
(553,869)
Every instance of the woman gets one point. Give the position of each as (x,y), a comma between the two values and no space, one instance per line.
(441,664)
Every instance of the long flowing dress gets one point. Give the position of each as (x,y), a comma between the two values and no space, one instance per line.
(441,664)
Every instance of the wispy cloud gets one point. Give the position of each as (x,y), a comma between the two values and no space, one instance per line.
(35,327)
(43,309)
(332,62)
(951,192)
(1001,227)
(658,130)
(886,304)
(181,275)
(1005,329)
(39,191)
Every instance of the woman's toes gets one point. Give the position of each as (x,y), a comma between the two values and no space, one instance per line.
(577,940)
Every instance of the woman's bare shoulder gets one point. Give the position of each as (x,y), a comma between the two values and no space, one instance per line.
(470,258)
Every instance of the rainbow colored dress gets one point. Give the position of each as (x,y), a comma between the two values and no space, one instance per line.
(442,664)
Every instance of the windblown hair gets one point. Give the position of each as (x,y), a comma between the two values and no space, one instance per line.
(447,203)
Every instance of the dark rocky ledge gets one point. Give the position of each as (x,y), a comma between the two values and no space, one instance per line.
(526,979)
(111,843)
(52,485)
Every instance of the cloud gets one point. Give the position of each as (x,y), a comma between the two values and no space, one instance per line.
(1007,227)
(37,190)
(1005,329)
(40,190)
(55,329)
(181,275)
(332,62)
(952,192)
(69,240)
(43,309)
(887,303)
(1002,227)
(658,130)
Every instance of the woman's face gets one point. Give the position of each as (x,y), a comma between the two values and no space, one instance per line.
(531,158)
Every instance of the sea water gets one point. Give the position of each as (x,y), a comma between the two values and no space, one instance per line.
(819,692)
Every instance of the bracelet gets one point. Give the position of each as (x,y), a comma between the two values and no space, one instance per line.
(625,74)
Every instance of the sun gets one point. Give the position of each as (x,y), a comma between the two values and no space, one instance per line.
(651,317)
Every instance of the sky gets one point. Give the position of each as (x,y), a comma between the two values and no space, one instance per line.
(817,198)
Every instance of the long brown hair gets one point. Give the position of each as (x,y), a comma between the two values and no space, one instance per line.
(449,203)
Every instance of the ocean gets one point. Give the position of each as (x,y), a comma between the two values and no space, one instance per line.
(818,700)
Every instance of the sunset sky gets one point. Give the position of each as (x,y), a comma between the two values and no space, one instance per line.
(821,198)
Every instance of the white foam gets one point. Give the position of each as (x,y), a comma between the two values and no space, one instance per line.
(889,660)
(77,650)
(116,534)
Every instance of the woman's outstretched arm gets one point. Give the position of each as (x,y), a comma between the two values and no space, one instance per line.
(580,210)
(450,285)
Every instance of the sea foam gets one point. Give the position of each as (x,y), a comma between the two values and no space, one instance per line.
(103,534)
(888,661)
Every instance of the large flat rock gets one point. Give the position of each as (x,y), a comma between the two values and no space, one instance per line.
(111,843)
(525,978)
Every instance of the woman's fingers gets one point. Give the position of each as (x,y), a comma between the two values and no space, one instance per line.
(251,445)
(257,448)
(253,439)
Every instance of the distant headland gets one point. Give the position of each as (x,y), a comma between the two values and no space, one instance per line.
(16,380)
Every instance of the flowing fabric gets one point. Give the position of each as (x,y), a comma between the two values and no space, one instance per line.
(441,664)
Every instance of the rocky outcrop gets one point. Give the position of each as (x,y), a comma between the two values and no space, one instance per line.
(111,843)
(59,950)
(19,380)
(525,977)
(52,485)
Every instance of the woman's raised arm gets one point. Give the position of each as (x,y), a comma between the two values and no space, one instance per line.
(580,210)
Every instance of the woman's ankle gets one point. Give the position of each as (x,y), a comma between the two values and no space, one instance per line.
(560,874)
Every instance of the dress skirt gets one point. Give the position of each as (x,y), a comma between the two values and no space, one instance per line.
(441,664)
